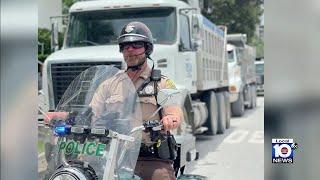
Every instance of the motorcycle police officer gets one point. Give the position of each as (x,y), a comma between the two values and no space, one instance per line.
(136,45)
(155,161)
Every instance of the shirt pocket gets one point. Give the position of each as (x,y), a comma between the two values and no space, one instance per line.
(114,99)
(115,103)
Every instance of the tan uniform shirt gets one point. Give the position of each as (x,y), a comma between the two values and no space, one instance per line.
(148,105)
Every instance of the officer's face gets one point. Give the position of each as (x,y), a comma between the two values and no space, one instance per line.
(133,55)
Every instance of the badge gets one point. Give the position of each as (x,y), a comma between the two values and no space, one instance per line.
(129,29)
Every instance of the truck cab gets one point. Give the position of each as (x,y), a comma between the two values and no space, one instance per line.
(234,73)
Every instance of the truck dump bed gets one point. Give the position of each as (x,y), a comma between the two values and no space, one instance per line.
(246,54)
(212,68)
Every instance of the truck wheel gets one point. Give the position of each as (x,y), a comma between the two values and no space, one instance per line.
(248,97)
(252,97)
(254,94)
(237,107)
(228,109)
(222,113)
(212,121)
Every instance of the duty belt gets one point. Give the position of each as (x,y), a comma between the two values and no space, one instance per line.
(166,149)
(148,151)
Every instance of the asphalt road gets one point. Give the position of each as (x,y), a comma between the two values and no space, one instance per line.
(238,153)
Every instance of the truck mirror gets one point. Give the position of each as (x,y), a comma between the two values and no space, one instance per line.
(181,46)
(196,45)
(54,36)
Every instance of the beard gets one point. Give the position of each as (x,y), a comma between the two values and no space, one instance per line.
(133,60)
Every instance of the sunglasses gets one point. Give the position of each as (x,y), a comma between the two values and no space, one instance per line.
(135,45)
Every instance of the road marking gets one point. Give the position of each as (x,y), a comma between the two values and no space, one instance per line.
(236,137)
(257,137)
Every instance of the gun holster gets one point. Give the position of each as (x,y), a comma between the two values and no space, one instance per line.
(168,148)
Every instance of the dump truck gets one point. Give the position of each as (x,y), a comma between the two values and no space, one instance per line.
(188,48)
(242,78)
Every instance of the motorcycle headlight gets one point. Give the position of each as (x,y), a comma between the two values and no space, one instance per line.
(69,174)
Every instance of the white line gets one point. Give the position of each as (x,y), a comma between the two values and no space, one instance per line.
(236,137)
(257,137)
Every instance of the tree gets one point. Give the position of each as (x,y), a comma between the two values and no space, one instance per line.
(66,5)
(44,37)
(259,44)
(240,16)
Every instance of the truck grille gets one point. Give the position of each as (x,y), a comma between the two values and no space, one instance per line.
(63,74)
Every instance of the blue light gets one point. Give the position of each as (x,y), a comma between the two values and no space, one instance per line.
(61,130)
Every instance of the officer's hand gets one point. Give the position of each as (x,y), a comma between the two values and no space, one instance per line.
(54,115)
(170,122)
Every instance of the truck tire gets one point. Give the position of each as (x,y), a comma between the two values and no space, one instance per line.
(237,108)
(248,97)
(212,121)
(252,97)
(222,113)
(254,92)
(228,109)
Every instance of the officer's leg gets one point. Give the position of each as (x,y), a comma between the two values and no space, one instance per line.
(155,169)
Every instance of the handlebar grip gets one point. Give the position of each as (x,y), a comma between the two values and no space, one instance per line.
(153,125)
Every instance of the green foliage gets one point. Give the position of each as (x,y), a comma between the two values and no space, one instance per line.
(44,37)
(259,44)
(67,4)
(42,57)
(240,16)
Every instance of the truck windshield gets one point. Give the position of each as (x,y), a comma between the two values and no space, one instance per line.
(103,27)
(260,69)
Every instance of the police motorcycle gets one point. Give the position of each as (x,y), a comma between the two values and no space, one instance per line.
(100,144)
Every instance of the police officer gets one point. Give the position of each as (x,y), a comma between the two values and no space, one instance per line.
(136,45)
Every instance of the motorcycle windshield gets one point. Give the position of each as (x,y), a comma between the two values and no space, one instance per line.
(96,136)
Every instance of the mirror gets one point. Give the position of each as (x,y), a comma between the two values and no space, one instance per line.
(181,46)
(54,35)
(196,45)
(169,97)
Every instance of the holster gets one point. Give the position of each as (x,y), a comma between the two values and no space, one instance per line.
(166,150)
(172,147)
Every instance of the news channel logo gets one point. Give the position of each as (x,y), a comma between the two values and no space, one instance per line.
(283,150)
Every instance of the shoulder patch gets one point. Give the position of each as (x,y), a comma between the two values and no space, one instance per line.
(170,84)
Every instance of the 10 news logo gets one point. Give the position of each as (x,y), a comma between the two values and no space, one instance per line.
(283,150)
